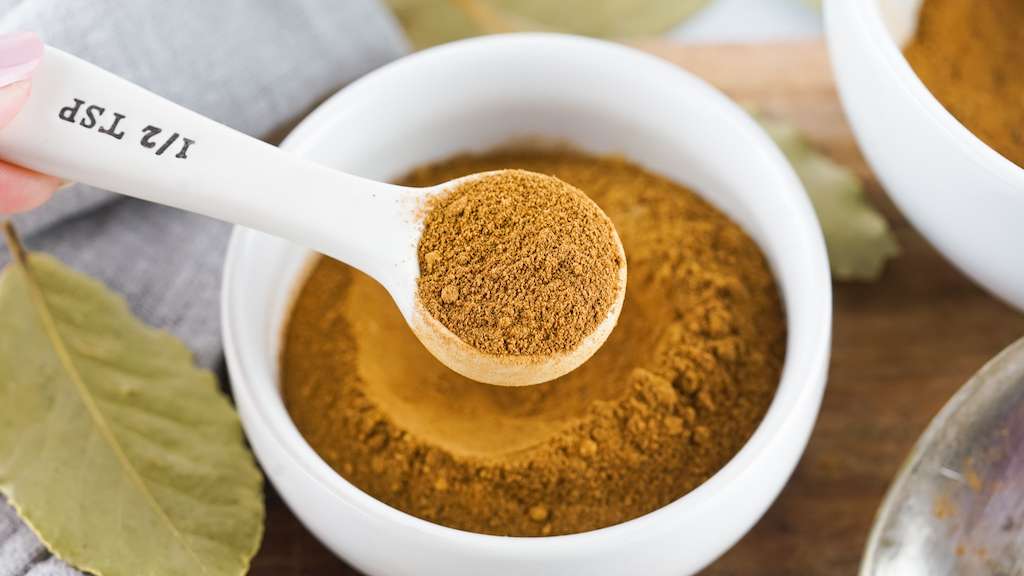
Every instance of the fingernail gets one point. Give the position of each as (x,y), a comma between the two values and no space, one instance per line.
(20,53)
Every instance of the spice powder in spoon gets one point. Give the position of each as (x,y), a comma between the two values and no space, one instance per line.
(678,388)
(518,263)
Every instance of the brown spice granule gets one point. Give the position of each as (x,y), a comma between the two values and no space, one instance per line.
(678,388)
(970,54)
(518,263)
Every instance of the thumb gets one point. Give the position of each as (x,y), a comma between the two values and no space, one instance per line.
(12,97)
(20,53)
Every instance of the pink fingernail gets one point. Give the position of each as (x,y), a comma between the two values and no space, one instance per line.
(20,53)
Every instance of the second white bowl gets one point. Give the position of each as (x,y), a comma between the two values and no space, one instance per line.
(965,197)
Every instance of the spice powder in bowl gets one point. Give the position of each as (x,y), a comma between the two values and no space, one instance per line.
(675,392)
(970,55)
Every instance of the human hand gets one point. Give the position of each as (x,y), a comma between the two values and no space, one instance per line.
(21,189)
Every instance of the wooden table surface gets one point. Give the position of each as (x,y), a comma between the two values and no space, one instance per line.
(901,347)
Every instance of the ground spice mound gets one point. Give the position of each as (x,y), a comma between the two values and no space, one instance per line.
(677,389)
(970,54)
(518,263)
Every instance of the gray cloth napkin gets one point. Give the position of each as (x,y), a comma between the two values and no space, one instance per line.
(255,65)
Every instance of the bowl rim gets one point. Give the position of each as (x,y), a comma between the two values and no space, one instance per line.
(988,158)
(802,380)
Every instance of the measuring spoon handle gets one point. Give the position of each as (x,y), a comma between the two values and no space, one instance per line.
(85,124)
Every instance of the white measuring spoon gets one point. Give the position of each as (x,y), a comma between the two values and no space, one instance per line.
(85,124)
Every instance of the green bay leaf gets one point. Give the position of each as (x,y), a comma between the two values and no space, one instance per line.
(122,456)
(858,238)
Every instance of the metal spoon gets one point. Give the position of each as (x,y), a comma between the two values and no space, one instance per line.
(85,124)
(957,504)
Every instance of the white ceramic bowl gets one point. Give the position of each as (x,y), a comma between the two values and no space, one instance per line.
(965,197)
(601,97)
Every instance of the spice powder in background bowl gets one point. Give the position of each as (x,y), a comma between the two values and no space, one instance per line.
(970,55)
(675,392)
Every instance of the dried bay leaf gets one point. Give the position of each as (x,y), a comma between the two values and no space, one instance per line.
(431,22)
(120,454)
(857,236)
(606,18)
